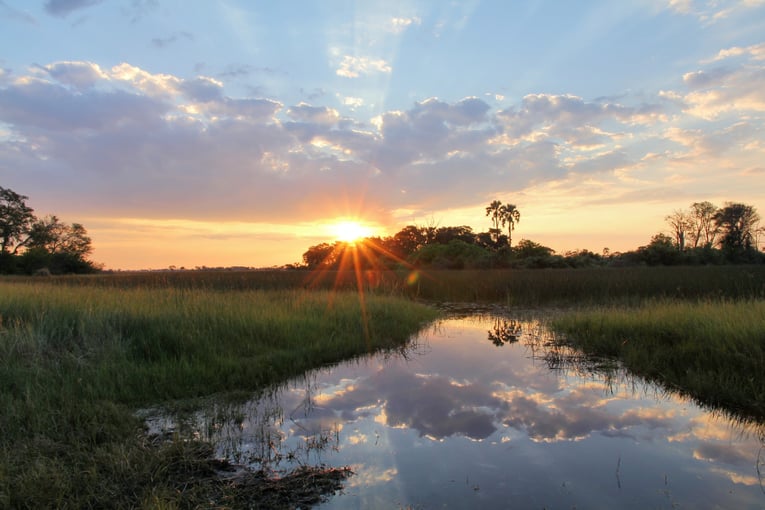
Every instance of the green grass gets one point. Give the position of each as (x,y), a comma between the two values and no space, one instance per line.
(596,286)
(516,287)
(76,361)
(713,351)
(78,355)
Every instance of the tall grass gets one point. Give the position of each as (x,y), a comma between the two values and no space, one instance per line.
(75,361)
(712,350)
(541,287)
(525,287)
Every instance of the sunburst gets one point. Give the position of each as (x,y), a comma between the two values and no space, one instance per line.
(350,231)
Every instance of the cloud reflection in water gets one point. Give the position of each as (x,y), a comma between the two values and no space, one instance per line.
(462,420)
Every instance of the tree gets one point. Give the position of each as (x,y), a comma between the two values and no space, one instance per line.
(494,210)
(444,235)
(52,235)
(738,224)
(15,219)
(408,240)
(681,223)
(527,249)
(320,255)
(660,251)
(509,215)
(703,229)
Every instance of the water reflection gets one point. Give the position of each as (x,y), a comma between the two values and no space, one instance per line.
(505,331)
(457,422)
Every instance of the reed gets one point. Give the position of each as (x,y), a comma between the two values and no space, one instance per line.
(517,287)
(711,350)
(77,360)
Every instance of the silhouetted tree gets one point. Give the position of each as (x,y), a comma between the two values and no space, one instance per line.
(444,235)
(494,211)
(681,224)
(52,235)
(509,215)
(408,240)
(703,229)
(15,219)
(660,251)
(320,255)
(738,224)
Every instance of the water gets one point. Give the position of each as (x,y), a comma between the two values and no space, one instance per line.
(482,411)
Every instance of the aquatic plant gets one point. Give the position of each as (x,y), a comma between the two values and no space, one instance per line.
(711,350)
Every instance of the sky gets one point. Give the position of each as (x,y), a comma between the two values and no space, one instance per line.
(236,133)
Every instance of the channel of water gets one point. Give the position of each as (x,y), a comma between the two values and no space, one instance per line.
(487,410)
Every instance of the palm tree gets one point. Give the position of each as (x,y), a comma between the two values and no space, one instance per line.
(495,211)
(509,215)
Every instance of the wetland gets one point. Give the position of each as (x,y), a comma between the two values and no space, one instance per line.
(488,408)
(282,390)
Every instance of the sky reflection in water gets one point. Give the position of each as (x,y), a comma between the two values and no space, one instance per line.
(474,415)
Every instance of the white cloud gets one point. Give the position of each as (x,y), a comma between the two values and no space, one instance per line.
(157,85)
(399,24)
(352,102)
(712,11)
(755,51)
(353,67)
(315,114)
(183,148)
(731,90)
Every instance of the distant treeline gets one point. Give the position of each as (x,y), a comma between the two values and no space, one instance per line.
(704,235)
(32,245)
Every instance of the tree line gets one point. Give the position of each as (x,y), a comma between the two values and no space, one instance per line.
(34,245)
(703,234)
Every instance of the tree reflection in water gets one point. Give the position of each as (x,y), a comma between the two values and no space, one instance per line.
(505,331)
(454,402)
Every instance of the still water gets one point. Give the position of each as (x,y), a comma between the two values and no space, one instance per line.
(483,411)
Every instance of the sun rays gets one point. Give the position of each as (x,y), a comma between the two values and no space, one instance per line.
(350,231)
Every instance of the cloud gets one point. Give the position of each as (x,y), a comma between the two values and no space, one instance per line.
(160,142)
(434,406)
(399,24)
(162,42)
(719,91)
(11,13)
(80,75)
(155,85)
(354,67)
(172,144)
(755,51)
(138,9)
(37,105)
(63,8)
(712,11)
(314,114)
(202,89)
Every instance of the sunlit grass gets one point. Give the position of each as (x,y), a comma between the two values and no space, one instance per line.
(517,287)
(76,361)
(711,350)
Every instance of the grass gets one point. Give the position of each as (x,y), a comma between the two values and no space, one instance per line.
(78,360)
(596,286)
(516,287)
(78,355)
(712,350)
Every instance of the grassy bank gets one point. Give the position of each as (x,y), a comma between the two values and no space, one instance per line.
(76,361)
(713,351)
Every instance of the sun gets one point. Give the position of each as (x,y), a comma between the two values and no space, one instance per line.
(349,231)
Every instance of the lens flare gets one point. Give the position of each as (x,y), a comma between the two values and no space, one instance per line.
(350,231)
